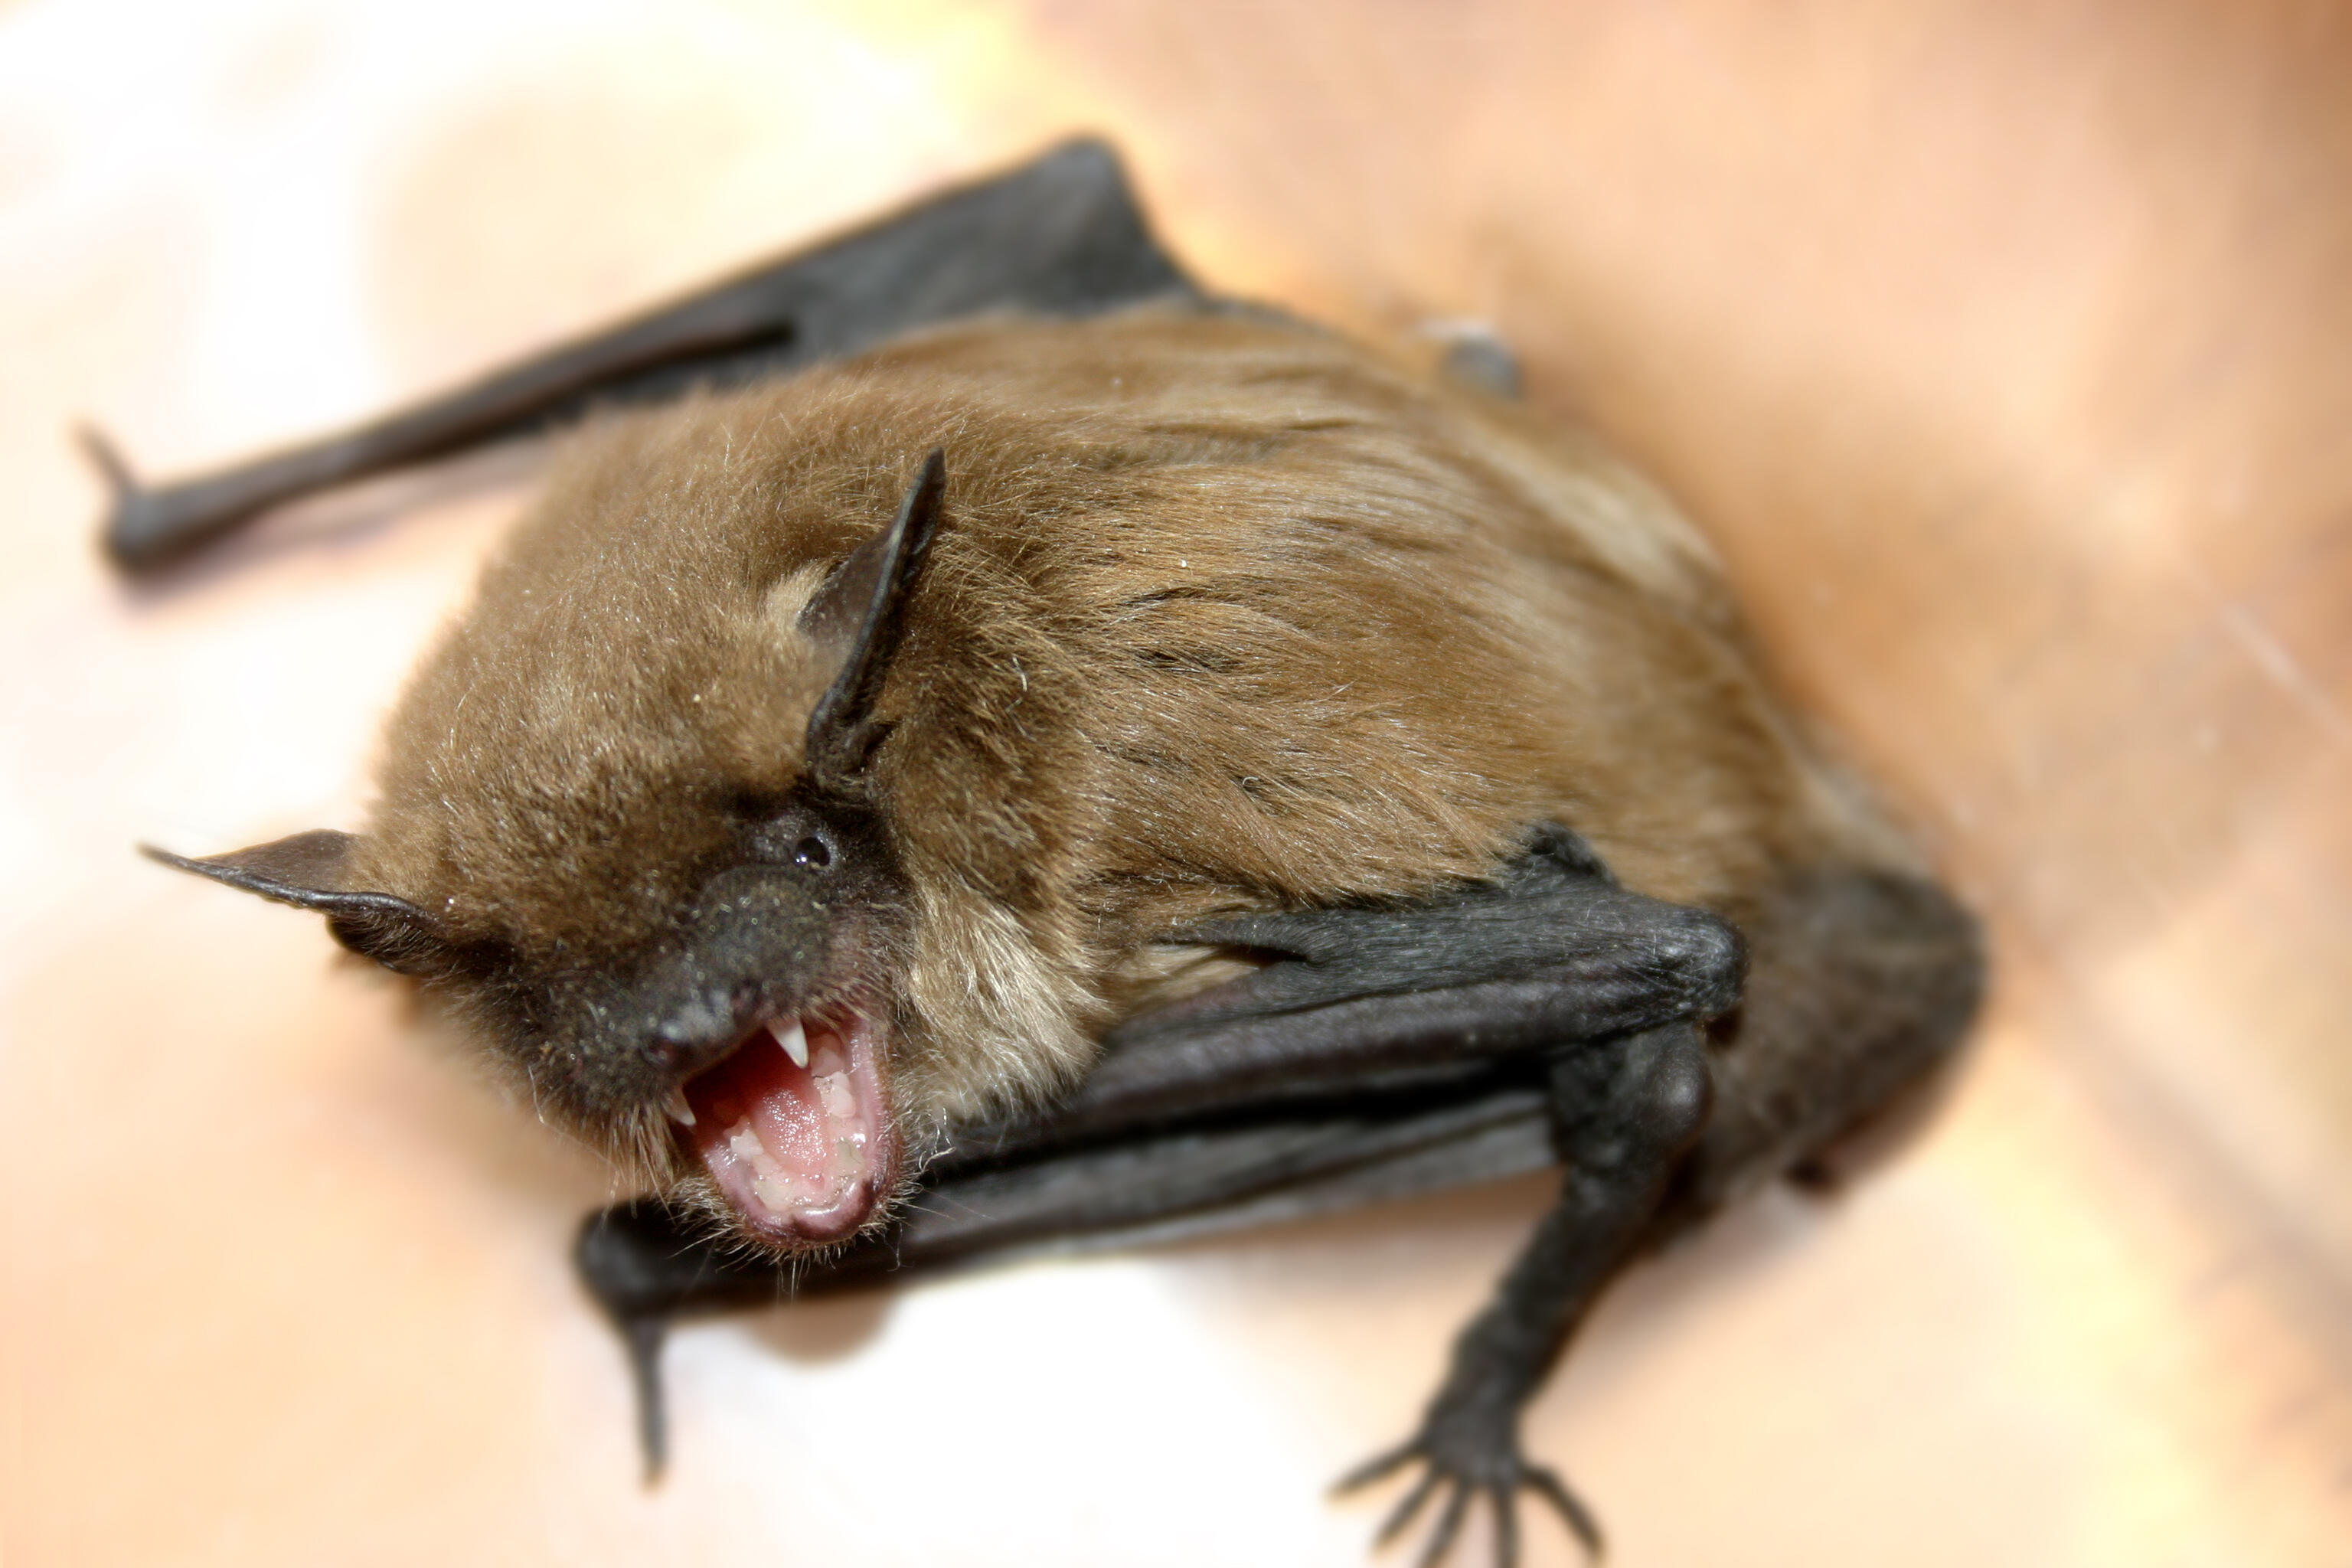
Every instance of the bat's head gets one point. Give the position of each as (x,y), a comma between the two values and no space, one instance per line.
(738,999)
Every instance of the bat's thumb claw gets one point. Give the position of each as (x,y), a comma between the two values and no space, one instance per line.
(643,1336)
(108,460)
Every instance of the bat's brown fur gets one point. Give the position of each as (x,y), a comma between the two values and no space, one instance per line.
(1224,613)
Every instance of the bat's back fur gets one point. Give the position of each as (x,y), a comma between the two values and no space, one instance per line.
(1226,614)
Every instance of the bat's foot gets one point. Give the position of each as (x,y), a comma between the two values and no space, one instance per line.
(1475,355)
(1466,1455)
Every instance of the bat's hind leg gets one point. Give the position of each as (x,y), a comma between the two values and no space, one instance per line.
(1622,1113)
(1861,983)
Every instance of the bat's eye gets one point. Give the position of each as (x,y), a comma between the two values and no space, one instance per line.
(794,835)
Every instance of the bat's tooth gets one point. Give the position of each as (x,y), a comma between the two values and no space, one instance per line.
(836,1095)
(679,1110)
(794,1040)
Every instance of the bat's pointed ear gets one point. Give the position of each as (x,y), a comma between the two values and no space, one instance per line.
(861,612)
(313,872)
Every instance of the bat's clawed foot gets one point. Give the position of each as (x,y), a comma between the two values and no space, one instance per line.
(1464,1456)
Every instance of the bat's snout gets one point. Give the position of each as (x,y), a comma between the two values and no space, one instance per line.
(753,1033)
(758,945)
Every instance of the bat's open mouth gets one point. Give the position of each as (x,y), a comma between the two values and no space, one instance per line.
(795,1128)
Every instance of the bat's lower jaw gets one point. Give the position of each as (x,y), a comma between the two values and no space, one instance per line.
(794,1128)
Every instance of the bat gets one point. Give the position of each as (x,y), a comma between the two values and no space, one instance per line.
(986,747)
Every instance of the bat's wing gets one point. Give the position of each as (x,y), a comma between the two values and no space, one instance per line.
(1381,1052)
(1061,235)
(1548,1016)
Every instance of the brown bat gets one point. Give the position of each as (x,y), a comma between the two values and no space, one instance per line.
(1115,767)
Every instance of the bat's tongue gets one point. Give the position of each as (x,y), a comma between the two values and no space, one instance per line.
(793,1127)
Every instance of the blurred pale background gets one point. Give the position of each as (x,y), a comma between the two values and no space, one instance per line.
(2004,351)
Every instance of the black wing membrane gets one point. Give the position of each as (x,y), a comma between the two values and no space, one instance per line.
(1062,235)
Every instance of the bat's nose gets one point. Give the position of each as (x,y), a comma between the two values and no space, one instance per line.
(703,1026)
(752,947)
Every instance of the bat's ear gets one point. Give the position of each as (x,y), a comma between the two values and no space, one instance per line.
(312,871)
(861,612)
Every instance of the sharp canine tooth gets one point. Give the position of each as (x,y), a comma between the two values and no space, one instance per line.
(794,1040)
(679,1112)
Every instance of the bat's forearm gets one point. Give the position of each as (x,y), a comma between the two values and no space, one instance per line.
(1553,952)
(1062,237)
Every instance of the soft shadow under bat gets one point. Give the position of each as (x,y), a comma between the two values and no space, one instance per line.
(1184,808)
